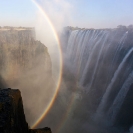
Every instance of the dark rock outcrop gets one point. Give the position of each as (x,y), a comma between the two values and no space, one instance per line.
(12,117)
(43,130)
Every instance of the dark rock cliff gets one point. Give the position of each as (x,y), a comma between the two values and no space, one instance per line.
(12,117)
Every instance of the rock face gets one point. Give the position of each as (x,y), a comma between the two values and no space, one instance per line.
(20,52)
(25,63)
(12,117)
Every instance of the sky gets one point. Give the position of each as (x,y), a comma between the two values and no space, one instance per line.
(80,13)
(17,13)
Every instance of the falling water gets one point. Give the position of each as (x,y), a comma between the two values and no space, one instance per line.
(101,61)
(114,109)
(109,88)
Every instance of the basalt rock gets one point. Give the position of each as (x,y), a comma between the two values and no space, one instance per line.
(12,117)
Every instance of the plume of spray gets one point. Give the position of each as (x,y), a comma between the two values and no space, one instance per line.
(60,14)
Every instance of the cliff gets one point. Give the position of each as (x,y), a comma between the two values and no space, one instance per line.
(25,63)
(19,52)
(12,117)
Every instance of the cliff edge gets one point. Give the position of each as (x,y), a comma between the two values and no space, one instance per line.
(12,117)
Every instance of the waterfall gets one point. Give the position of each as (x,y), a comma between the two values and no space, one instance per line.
(90,57)
(101,61)
(114,109)
(97,62)
(109,88)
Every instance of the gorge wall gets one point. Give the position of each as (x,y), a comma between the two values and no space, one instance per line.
(101,62)
(25,64)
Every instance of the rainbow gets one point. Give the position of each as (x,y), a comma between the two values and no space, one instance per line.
(72,100)
(65,117)
(60,75)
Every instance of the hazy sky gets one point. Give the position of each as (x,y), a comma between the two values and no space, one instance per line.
(17,12)
(81,13)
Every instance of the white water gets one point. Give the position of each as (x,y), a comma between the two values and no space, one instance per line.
(109,88)
(97,59)
(96,66)
(114,109)
(90,58)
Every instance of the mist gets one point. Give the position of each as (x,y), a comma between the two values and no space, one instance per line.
(69,110)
